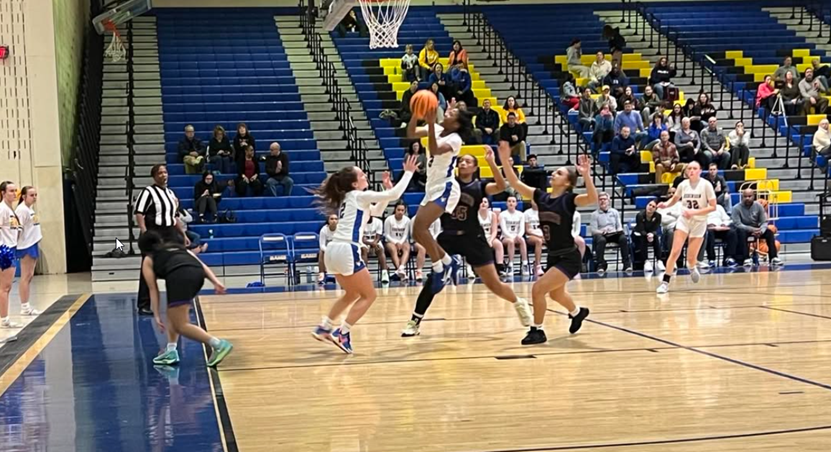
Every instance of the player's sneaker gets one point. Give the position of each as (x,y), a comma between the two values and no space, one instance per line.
(524,270)
(695,275)
(702,265)
(776,261)
(663,288)
(453,271)
(535,336)
(168,358)
(220,353)
(8,324)
(411,329)
(437,281)
(342,341)
(731,262)
(385,277)
(321,333)
(748,263)
(523,310)
(647,267)
(577,320)
(660,266)
(540,271)
(402,274)
(419,276)
(30,311)
(321,278)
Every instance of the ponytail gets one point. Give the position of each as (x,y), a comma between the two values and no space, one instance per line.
(333,190)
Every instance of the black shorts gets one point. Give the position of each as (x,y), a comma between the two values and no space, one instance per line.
(569,262)
(475,249)
(183,285)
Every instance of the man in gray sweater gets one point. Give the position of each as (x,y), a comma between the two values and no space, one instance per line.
(751,222)
(606,227)
(810,90)
(714,145)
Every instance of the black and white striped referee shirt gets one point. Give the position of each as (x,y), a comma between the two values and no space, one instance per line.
(158,205)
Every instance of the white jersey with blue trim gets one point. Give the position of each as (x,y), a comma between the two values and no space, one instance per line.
(440,167)
(359,206)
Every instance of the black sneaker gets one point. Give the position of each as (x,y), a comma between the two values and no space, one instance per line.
(535,336)
(577,321)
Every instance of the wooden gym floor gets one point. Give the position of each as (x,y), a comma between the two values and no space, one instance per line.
(737,362)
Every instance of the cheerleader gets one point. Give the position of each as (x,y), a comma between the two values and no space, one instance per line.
(27,245)
(441,192)
(697,199)
(345,192)
(9,230)
(556,210)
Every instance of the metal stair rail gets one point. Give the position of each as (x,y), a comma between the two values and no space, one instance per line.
(816,10)
(130,170)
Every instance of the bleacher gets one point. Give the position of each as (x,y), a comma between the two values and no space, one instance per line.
(228,73)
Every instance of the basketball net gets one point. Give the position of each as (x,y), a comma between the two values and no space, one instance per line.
(116,51)
(384,18)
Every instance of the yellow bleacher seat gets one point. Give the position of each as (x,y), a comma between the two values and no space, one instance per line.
(781,197)
(772,185)
(668,178)
(742,62)
(755,174)
(764,69)
(796,53)
(815,119)
(486,173)
(633,65)
(587,60)
(751,162)
(646,156)
(733,54)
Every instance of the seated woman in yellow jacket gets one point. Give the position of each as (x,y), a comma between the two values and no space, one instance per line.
(511,106)
(427,58)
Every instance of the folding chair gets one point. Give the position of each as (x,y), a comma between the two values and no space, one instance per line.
(274,249)
(304,249)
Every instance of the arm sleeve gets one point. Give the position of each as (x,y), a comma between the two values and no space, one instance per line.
(370,197)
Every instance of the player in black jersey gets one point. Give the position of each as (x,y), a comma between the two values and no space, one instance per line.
(556,217)
(463,235)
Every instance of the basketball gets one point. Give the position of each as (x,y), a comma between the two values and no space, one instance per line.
(423,102)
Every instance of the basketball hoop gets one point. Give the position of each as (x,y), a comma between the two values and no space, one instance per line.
(384,18)
(116,51)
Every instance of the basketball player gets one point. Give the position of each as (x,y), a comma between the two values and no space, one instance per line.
(556,211)
(345,192)
(441,192)
(463,234)
(697,199)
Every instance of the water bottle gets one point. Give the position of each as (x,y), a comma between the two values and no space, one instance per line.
(210,233)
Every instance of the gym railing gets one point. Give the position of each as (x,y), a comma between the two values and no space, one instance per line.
(130,171)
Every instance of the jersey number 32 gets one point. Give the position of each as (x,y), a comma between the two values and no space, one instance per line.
(692,204)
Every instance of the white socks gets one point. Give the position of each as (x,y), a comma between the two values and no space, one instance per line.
(214,343)
(575,311)
(171,347)
(438,267)
(446,260)
(24,306)
(345,327)
(326,323)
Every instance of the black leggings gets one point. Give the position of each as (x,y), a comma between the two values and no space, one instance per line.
(206,203)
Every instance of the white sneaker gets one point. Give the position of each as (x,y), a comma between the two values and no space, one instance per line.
(647,267)
(540,271)
(525,271)
(385,276)
(8,324)
(402,274)
(663,288)
(776,261)
(694,275)
(419,276)
(469,271)
(29,311)
(748,263)
(321,278)
(703,265)
(629,270)
(601,271)
(510,272)
(523,310)
(411,329)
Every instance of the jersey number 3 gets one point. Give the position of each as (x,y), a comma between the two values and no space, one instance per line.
(692,204)
(460,214)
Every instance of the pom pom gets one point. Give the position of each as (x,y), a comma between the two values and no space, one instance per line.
(6,257)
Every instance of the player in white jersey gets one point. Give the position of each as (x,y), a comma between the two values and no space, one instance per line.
(490,224)
(697,199)
(345,192)
(9,231)
(444,142)
(373,233)
(397,238)
(421,252)
(327,233)
(512,224)
(534,237)
(27,245)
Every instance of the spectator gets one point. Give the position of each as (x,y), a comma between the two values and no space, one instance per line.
(604,127)
(616,79)
(326,234)
(628,95)
(654,132)
(421,252)
(787,67)
(351,24)
(701,113)
(440,78)
(661,77)
(616,42)
(646,234)
(674,120)
(277,168)
(195,244)
(397,238)
(810,90)
(489,221)
(419,179)
(207,194)
(739,146)
(714,145)
(487,121)
(720,187)
(569,97)
(791,95)
(191,152)
(220,152)
(624,156)
(534,237)
(586,110)
(372,245)
(442,102)
(629,117)
(606,98)
(766,94)
(534,174)
(751,220)
(427,59)
(688,144)
(512,224)
(822,140)
(509,106)
(574,53)
(458,56)
(666,158)
(719,228)
(651,104)
(405,114)
(599,69)
(606,227)
(248,174)
(409,64)
(513,134)
(243,138)
(821,73)
(461,86)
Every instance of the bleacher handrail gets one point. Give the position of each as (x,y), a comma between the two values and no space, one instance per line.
(130,170)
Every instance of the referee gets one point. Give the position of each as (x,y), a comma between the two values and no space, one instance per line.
(156,211)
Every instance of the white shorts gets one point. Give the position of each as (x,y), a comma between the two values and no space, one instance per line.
(446,195)
(343,258)
(693,228)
